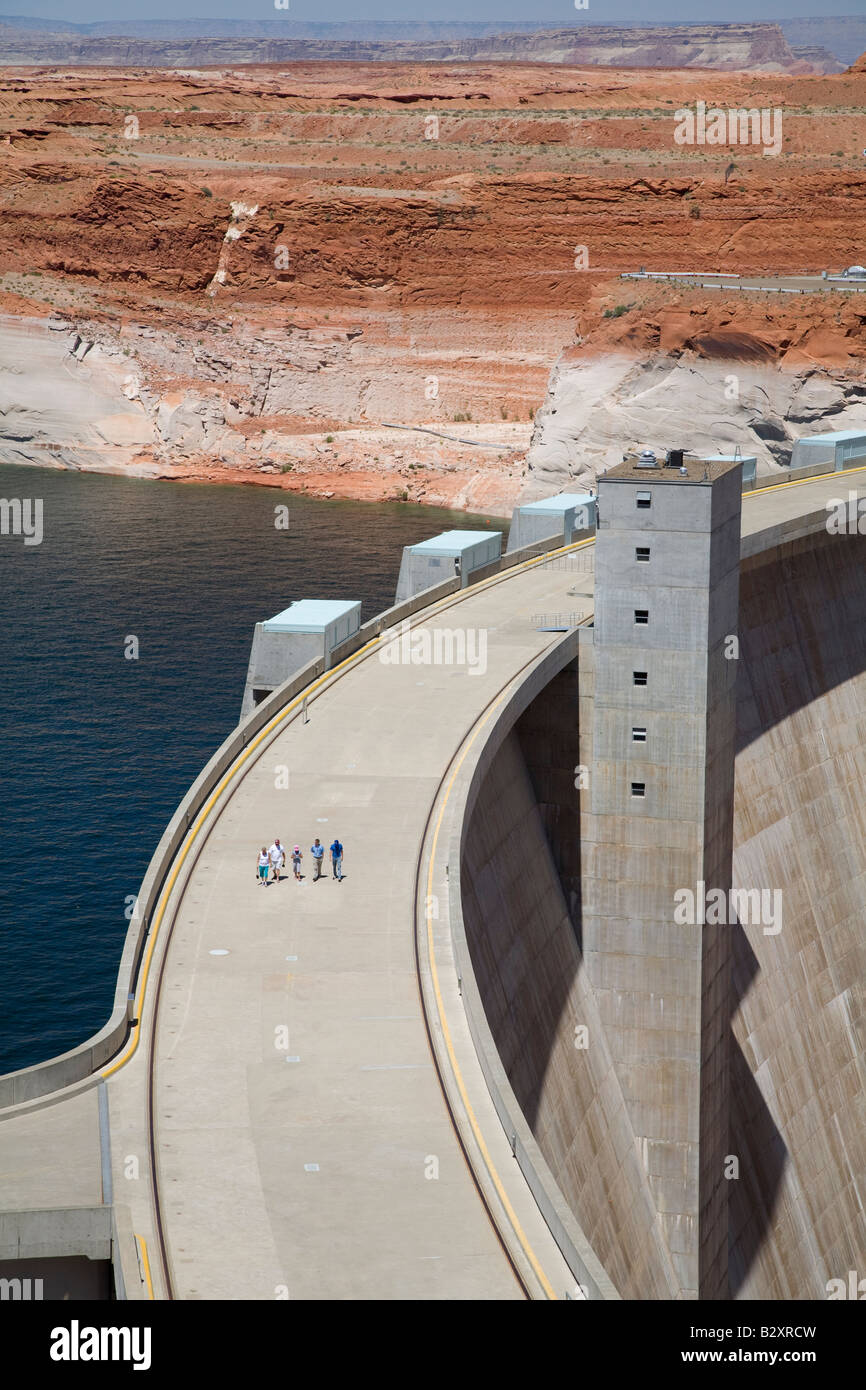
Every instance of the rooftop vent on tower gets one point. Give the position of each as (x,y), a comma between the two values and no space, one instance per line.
(647,459)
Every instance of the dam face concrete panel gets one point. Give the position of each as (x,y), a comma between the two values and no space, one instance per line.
(799,1056)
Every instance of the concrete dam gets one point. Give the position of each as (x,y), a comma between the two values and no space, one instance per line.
(586,1018)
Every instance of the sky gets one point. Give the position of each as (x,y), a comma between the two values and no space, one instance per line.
(561,11)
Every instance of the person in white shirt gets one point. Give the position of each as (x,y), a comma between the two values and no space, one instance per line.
(264,861)
(277,856)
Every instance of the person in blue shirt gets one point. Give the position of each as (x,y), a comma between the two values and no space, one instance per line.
(317,850)
(337,859)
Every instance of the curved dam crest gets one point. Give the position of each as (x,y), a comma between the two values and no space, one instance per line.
(619,1078)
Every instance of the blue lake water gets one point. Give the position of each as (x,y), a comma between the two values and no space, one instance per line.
(96,750)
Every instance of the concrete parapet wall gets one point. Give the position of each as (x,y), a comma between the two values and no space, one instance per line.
(783,532)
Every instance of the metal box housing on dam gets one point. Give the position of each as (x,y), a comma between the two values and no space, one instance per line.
(841,448)
(564,515)
(749,462)
(444,556)
(305,631)
(332,619)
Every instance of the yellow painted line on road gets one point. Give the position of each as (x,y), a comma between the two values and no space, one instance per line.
(476,1128)
(142,1245)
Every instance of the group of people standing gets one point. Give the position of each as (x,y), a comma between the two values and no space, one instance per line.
(275,857)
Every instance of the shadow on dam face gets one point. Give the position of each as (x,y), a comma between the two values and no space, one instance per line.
(800,828)
(798,1027)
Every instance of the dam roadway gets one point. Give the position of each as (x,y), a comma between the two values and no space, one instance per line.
(390,1210)
(300,1111)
